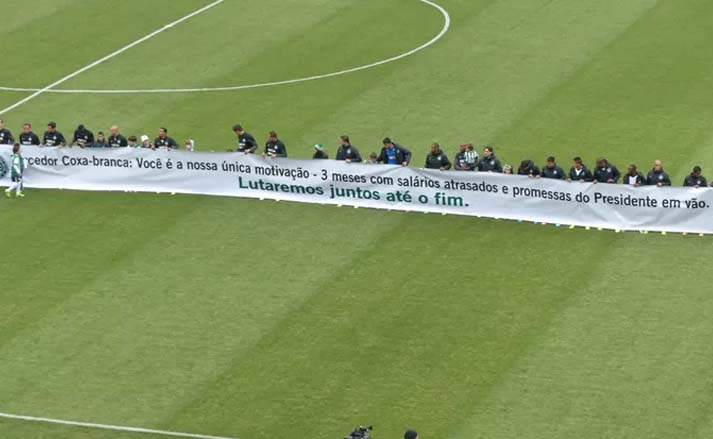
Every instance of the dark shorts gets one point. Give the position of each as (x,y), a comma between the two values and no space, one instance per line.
(16,179)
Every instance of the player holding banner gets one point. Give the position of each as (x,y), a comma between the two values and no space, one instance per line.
(17,168)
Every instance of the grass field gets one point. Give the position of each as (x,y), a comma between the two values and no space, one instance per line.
(262,320)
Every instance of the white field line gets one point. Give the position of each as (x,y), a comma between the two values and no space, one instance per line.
(37,92)
(109,427)
(432,41)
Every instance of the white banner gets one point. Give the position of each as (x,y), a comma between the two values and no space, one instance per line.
(618,207)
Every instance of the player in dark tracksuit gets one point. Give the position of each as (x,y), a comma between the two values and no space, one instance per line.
(163,141)
(528,167)
(27,137)
(53,137)
(83,137)
(5,135)
(657,176)
(347,152)
(579,172)
(695,179)
(437,159)
(393,154)
(606,172)
(116,139)
(246,141)
(551,170)
(489,163)
(274,146)
(633,177)
(463,161)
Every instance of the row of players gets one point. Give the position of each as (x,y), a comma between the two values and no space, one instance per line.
(467,159)
(603,172)
(85,138)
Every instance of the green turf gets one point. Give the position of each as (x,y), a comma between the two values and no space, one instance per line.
(258,320)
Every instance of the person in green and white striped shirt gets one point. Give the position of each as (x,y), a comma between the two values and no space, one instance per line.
(17,167)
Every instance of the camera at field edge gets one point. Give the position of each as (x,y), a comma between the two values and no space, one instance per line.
(360,432)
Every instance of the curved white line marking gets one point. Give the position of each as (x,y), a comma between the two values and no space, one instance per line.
(39,91)
(432,41)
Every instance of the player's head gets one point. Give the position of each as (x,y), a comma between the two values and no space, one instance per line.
(52,127)
(238,129)
(16,148)
(162,132)
(27,128)
(114,130)
(100,136)
(344,139)
(273,136)
(2,124)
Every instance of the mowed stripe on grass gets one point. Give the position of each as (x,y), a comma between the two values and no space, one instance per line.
(159,305)
(239,354)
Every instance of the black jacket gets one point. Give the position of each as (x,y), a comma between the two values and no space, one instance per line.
(6,137)
(489,164)
(166,142)
(585,174)
(437,160)
(603,175)
(247,143)
(529,169)
(29,139)
(278,148)
(690,181)
(83,138)
(402,155)
(54,139)
(556,173)
(348,152)
(654,178)
(461,163)
(639,179)
(117,142)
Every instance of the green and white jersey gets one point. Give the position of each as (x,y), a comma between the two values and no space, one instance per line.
(18,165)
